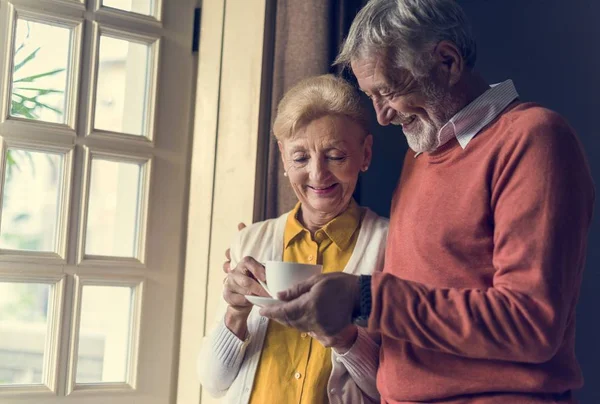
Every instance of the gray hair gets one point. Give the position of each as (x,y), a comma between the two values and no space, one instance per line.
(406,32)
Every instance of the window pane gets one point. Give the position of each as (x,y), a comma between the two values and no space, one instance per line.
(23,332)
(39,82)
(145,7)
(31,201)
(104,334)
(113,209)
(122,93)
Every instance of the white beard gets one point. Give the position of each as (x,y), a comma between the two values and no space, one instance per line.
(424,138)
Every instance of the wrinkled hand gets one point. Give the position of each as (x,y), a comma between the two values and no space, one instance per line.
(241,281)
(341,342)
(322,304)
(227,263)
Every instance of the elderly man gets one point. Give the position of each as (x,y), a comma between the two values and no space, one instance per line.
(488,226)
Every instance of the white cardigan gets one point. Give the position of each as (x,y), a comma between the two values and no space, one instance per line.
(227,365)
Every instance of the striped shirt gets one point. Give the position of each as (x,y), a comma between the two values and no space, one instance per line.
(469,121)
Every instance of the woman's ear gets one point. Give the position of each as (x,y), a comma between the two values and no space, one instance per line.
(367,152)
(450,61)
(282,153)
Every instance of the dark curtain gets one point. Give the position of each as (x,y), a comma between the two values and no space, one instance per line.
(305,37)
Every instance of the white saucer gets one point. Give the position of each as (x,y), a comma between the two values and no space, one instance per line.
(261,301)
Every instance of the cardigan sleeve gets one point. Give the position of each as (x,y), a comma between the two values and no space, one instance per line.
(362,361)
(222,352)
(220,359)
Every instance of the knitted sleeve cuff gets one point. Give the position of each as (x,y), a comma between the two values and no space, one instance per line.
(362,359)
(361,315)
(228,348)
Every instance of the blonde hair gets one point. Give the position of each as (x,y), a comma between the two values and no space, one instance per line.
(315,97)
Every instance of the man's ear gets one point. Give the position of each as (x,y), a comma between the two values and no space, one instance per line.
(450,60)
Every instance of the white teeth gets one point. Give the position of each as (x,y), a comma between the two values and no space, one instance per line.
(404,121)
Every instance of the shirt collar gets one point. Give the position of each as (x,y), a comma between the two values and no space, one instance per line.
(470,120)
(340,229)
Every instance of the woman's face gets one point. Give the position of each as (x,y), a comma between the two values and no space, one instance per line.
(323,159)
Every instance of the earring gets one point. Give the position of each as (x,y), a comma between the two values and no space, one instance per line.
(365,168)
(285,173)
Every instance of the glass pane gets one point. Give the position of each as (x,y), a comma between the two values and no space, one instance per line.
(104,334)
(145,7)
(23,332)
(31,201)
(39,81)
(113,209)
(122,90)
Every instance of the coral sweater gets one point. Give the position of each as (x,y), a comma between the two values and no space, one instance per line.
(483,267)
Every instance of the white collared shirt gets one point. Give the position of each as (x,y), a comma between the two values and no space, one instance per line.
(469,121)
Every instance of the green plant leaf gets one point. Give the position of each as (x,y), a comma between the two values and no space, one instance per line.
(31,79)
(18,108)
(42,91)
(37,103)
(21,217)
(20,47)
(31,56)
(10,160)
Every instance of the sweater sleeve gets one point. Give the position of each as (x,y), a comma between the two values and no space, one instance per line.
(220,359)
(542,197)
(361,361)
(222,352)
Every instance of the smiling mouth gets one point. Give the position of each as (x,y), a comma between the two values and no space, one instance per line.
(406,121)
(323,190)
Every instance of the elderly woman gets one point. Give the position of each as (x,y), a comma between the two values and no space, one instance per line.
(324,142)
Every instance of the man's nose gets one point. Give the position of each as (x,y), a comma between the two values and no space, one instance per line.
(384,113)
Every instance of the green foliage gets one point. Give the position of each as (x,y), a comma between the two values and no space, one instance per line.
(25,98)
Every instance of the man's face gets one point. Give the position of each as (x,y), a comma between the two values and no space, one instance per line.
(421,106)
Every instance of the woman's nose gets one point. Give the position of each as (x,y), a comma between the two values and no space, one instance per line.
(318,169)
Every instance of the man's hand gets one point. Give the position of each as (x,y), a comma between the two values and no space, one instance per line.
(322,304)
(227,263)
(341,342)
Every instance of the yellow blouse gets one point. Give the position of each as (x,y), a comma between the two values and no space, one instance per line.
(294,368)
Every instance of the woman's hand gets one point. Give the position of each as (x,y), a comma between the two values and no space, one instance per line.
(341,342)
(241,281)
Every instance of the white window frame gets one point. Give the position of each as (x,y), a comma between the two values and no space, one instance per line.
(16,11)
(50,380)
(62,220)
(137,284)
(153,43)
(145,163)
(165,162)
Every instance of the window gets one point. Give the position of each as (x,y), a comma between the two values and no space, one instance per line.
(94,131)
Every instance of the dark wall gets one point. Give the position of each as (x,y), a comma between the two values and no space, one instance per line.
(550,49)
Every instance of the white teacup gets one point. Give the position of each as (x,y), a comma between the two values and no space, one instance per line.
(283,275)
